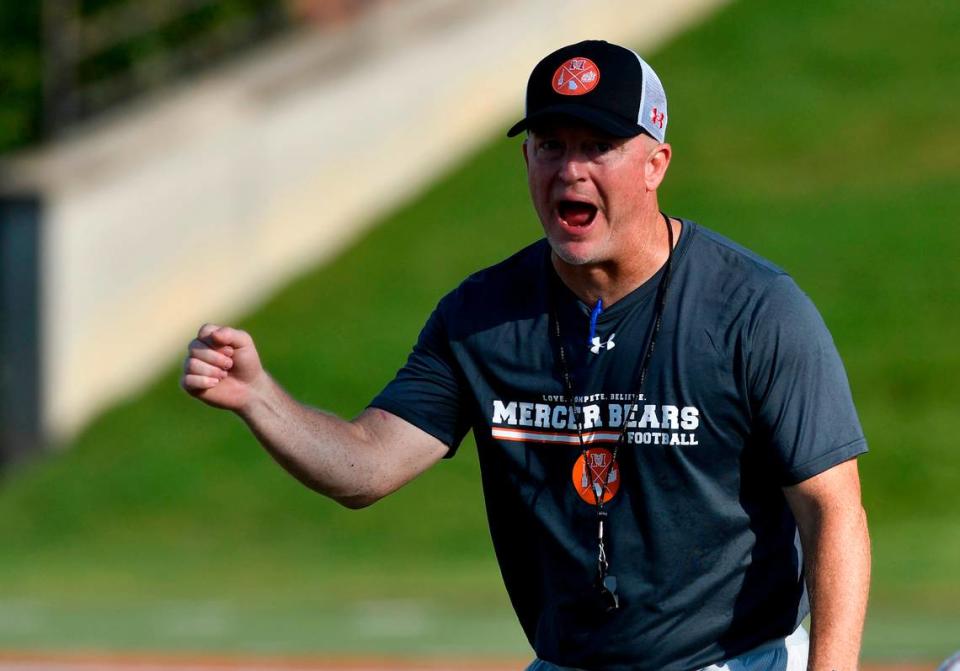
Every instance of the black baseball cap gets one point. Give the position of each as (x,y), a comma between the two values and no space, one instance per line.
(602,84)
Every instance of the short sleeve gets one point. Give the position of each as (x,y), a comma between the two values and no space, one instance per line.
(800,397)
(428,391)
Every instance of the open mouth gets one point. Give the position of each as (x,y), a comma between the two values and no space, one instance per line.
(575,213)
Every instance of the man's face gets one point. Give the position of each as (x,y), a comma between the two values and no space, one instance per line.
(587,187)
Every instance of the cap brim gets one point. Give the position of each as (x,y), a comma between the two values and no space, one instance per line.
(608,122)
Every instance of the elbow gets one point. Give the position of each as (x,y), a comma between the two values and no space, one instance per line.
(360,498)
(356,501)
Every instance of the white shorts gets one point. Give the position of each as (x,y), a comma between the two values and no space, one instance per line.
(782,654)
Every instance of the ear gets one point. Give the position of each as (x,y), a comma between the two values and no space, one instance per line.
(656,167)
(523,148)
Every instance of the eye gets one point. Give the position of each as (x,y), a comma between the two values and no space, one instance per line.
(602,146)
(549,148)
(597,148)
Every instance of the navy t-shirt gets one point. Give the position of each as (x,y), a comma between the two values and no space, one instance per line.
(745,394)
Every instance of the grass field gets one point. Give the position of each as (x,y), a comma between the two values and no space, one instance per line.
(823,135)
(181,662)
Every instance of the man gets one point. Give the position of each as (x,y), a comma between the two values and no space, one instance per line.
(657,412)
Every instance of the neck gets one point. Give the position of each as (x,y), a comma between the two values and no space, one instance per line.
(611,280)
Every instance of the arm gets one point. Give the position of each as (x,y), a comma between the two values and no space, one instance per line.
(836,548)
(355,463)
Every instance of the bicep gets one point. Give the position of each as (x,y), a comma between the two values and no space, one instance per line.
(829,494)
(403,449)
(836,545)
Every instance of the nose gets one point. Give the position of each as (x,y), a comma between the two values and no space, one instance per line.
(572,167)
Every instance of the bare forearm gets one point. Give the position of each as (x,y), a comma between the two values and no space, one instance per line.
(354,462)
(326,453)
(837,551)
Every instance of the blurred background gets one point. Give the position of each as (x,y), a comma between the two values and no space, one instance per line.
(320,173)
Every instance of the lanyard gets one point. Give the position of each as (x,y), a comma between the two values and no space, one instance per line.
(606,583)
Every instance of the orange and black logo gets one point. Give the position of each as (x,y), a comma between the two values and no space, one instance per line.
(597,477)
(576,77)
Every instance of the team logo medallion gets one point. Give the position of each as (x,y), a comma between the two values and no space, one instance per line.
(598,477)
(576,77)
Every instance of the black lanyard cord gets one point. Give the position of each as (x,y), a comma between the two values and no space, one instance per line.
(606,583)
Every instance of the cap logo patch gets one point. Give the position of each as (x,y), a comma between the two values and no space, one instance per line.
(576,77)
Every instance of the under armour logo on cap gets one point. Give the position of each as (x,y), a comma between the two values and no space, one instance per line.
(656,118)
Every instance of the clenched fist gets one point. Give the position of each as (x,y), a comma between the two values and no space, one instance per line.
(222,368)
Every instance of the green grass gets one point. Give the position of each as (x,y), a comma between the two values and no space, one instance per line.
(822,135)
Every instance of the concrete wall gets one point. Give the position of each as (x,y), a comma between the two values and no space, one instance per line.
(196,205)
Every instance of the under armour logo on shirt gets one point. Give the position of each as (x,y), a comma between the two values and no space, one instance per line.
(597,345)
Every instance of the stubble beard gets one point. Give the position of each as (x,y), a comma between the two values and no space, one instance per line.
(570,258)
(595,254)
